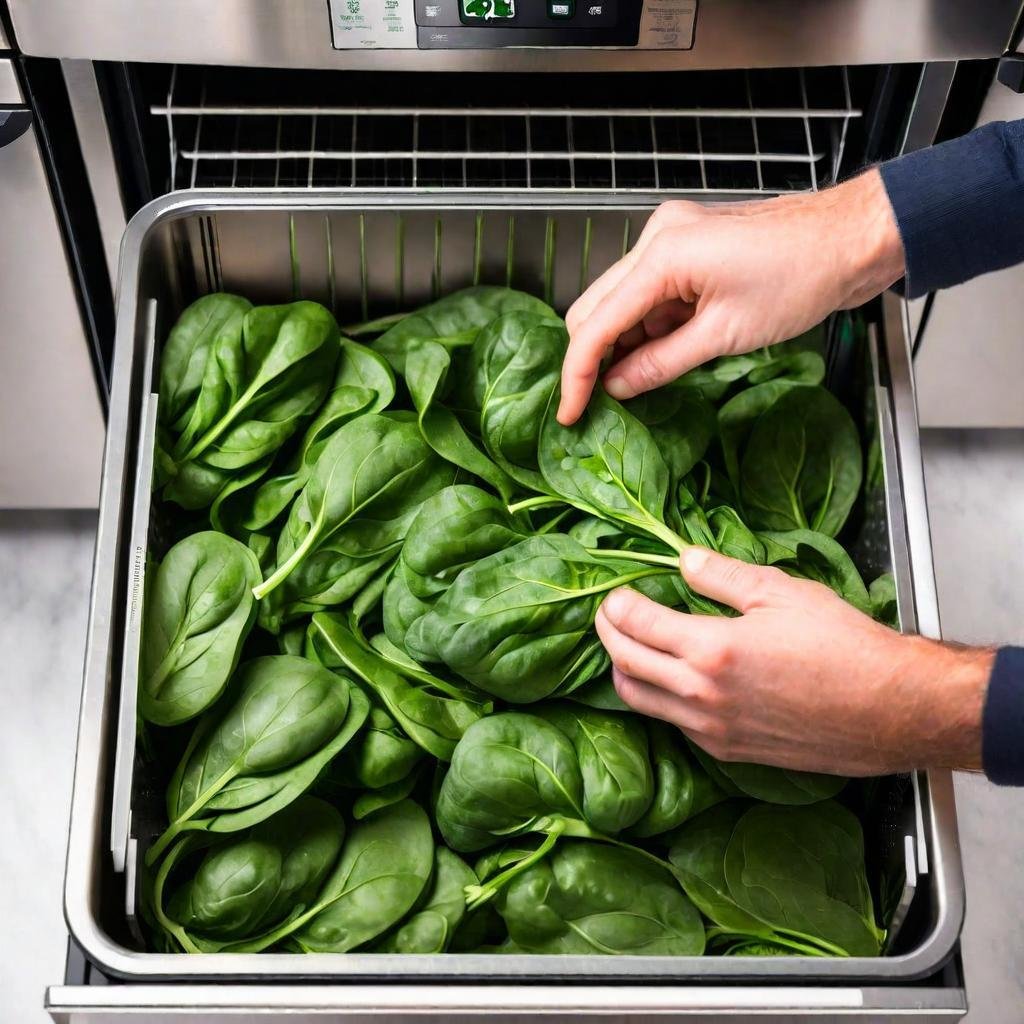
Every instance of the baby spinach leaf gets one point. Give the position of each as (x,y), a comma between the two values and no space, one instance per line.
(385,865)
(682,423)
(587,898)
(814,556)
(430,927)
(801,468)
(187,351)
(614,762)
(288,719)
(430,713)
(380,756)
(882,598)
(198,613)
(682,789)
(801,869)
(608,465)
(737,417)
(518,624)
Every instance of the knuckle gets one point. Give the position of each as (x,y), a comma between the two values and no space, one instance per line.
(712,661)
(648,369)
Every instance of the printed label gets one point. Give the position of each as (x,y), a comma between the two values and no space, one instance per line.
(667,24)
(373,24)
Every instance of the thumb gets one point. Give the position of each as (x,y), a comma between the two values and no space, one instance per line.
(738,584)
(662,360)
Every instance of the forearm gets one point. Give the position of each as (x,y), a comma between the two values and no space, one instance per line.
(960,206)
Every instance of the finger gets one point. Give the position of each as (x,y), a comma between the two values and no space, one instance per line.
(641,290)
(627,342)
(667,317)
(647,621)
(738,584)
(664,359)
(647,663)
(657,703)
(582,308)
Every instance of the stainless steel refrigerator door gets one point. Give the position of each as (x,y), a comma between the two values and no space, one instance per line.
(51,420)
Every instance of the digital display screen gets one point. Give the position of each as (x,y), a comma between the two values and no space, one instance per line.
(489,9)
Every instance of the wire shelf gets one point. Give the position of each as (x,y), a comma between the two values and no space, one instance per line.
(737,132)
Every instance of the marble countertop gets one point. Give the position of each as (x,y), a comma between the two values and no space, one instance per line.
(976,501)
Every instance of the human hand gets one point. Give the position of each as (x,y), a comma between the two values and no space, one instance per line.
(800,680)
(706,281)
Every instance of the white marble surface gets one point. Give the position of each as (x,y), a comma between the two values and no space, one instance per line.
(976,498)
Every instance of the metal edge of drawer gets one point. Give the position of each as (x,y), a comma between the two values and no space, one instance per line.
(84,852)
(196,1003)
(10,90)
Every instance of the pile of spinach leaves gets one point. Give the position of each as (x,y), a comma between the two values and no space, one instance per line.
(369,674)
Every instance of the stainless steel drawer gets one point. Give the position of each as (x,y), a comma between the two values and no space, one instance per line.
(342,250)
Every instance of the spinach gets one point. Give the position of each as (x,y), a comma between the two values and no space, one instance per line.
(519,623)
(259,383)
(763,782)
(514,369)
(198,613)
(454,321)
(187,351)
(681,787)
(370,466)
(385,865)
(800,869)
(682,423)
(592,898)
(801,468)
(608,465)
(380,756)
(430,927)
(288,719)
(815,556)
(433,714)
(612,753)
(883,600)
(248,884)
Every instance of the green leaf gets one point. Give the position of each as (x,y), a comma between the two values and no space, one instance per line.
(197,615)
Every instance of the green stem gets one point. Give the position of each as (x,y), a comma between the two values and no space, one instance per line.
(282,572)
(171,927)
(376,326)
(540,501)
(635,556)
(478,895)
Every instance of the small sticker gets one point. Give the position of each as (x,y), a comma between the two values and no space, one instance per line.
(373,24)
(667,25)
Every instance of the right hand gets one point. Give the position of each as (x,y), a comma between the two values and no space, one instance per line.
(706,281)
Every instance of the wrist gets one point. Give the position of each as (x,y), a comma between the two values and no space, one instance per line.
(952,682)
(860,219)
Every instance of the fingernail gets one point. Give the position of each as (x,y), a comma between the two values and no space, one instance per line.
(618,388)
(694,560)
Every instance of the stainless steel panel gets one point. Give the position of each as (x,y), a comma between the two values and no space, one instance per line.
(240,240)
(4,42)
(393,1004)
(729,33)
(94,138)
(10,90)
(50,416)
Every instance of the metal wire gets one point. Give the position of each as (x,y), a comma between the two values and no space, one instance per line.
(770,143)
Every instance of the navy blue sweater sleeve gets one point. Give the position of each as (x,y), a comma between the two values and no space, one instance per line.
(960,206)
(1002,727)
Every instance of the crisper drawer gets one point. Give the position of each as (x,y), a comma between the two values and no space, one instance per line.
(366,255)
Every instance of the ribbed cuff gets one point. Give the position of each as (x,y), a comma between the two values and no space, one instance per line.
(960,206)
(1002,729)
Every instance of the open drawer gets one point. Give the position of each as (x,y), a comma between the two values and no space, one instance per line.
(372,254)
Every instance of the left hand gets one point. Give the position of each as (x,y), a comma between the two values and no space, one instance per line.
(800,680)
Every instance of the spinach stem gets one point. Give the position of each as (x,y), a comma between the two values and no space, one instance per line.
(376,326)
(477,895)
(540,501)
(635,556)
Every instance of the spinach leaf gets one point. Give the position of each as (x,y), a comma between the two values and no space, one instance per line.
(736,418)
(587,898)
(432,714)
(370,468)
(801,468)
(198,613)
(773,785)
(801,869)
(515,364)
(814,556)
(612,753)
(509,773)
(883,600)
(682,423)
(454,321)
(385,865)
(187,351)
(682,789)
(259,384)
(288,719)
(380,756)
(518,624)
(430,928)
(248,884)
(609,466)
